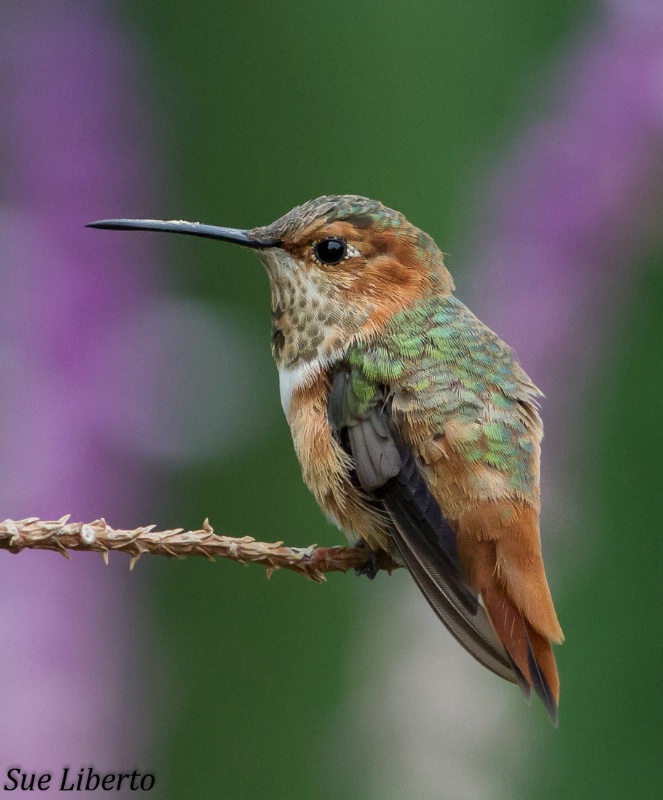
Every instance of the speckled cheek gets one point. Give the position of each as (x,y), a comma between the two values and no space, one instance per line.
(307,317)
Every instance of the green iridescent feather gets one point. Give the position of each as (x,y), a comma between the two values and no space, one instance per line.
(441,363)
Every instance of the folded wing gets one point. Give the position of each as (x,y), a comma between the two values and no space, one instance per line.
(388,473)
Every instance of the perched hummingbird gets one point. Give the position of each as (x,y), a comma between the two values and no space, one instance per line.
(416,428)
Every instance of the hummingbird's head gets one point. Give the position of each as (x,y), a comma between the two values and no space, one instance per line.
(339,267)
(343,265)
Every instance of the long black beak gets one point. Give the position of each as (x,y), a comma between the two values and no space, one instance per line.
(190,228)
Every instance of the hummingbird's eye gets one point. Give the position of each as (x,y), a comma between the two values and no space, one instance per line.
(331,250)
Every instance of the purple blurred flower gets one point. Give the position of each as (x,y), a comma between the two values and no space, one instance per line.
(72,149)
(573,205)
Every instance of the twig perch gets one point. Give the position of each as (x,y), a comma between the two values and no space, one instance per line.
(64,536)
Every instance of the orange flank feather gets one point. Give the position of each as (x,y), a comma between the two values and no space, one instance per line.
(326,467)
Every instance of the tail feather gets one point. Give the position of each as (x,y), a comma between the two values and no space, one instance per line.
(499,544)
(549,696)
(530,651)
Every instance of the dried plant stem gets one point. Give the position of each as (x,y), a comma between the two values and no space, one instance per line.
(64,536)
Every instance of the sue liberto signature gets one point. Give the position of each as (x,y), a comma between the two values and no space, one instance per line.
(85,779)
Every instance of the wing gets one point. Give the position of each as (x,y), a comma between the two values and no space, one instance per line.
(359,415)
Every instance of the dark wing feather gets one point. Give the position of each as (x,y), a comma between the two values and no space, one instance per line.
(473,631)
(387,471)
(413,508)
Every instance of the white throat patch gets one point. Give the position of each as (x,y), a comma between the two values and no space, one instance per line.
(303,375)
(291,378)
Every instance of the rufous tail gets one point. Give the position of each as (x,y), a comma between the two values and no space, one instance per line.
(501,550)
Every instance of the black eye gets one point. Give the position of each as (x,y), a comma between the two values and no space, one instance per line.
(331,250)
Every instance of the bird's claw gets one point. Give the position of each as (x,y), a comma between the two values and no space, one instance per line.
(370,567)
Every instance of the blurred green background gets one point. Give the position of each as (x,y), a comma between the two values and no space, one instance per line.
(255,107)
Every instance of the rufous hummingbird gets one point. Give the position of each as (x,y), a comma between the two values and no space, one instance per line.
(415,426)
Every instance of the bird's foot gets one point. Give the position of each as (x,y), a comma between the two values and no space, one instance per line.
(370,567)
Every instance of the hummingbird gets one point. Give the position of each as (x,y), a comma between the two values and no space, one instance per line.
(416,428)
